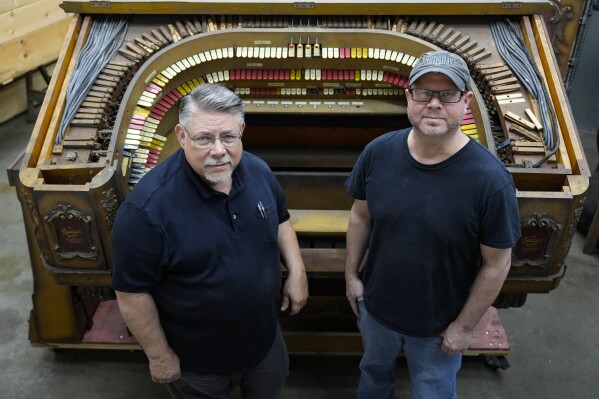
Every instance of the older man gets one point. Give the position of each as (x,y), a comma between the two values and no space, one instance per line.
(439,216)
(197,259)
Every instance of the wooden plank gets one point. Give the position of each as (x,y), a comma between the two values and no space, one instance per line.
(56,116)
(47,109)
(324,261)
(29,18)
(319,222)
(560,100)
(7,5)
(538,40)
(331,7)
(38,48)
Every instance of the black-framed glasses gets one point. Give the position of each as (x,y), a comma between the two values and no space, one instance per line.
(207,140)
(445,96)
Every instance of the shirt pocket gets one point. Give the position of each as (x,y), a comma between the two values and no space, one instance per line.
(268,221)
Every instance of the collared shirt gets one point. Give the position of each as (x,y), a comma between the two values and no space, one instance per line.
(210,260)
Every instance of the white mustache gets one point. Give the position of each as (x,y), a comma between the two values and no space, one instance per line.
(217,161)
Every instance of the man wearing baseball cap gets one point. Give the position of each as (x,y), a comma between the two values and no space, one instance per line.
(438,214)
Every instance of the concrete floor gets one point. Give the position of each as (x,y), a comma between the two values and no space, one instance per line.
(552,337)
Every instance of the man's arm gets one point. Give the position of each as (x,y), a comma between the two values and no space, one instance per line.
(486,287)
(358,233)
(295,289)
(141,316)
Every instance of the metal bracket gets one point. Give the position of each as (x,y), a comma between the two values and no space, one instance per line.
(514,4)
(303,5)
(100,4)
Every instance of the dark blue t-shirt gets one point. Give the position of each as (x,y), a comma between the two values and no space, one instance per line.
(210,260)
(427,224)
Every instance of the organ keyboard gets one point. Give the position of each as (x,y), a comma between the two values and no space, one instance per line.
(319,81)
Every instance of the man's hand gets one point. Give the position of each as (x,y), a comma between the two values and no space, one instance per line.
(354,290)
(295,291)
(456,339)
(166,368)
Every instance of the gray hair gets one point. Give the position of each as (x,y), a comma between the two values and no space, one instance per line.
(210,97)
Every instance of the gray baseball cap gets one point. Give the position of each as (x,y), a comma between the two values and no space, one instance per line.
(449,64)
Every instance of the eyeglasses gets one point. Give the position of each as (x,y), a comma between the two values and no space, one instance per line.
(445,96)
(207,141)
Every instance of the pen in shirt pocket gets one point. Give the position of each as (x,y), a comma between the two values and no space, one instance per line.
(261,210)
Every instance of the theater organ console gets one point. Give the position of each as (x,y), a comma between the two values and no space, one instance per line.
(319,81)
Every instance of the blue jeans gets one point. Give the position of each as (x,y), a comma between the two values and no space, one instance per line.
(263,381)
(432,371)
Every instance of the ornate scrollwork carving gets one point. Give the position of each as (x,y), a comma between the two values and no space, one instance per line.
(562,27)
(72,232)
(571,231)
(563,15)
(541,221)
(560,11)
(110,205)
(538,235)
(33,216)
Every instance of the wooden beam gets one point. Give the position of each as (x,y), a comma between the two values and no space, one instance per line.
(7,5)
(322,7)
(22,21)
(37,48)
(331,223)
(40,129)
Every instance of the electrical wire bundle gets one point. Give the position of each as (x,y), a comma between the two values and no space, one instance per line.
(512,48)
(105,38)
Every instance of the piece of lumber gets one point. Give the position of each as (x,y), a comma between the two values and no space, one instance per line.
(24,20)
(8,5)
(37,48)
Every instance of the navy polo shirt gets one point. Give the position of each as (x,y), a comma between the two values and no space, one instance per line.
(210,260)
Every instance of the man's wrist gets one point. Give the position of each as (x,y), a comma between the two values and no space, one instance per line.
(299,271)
(351,275)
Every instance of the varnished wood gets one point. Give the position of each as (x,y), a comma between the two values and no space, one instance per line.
(317,222)
(322,7)
(310,149)
(563,26)
(560,101)
(324,262)
(54,126)
(53,91)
